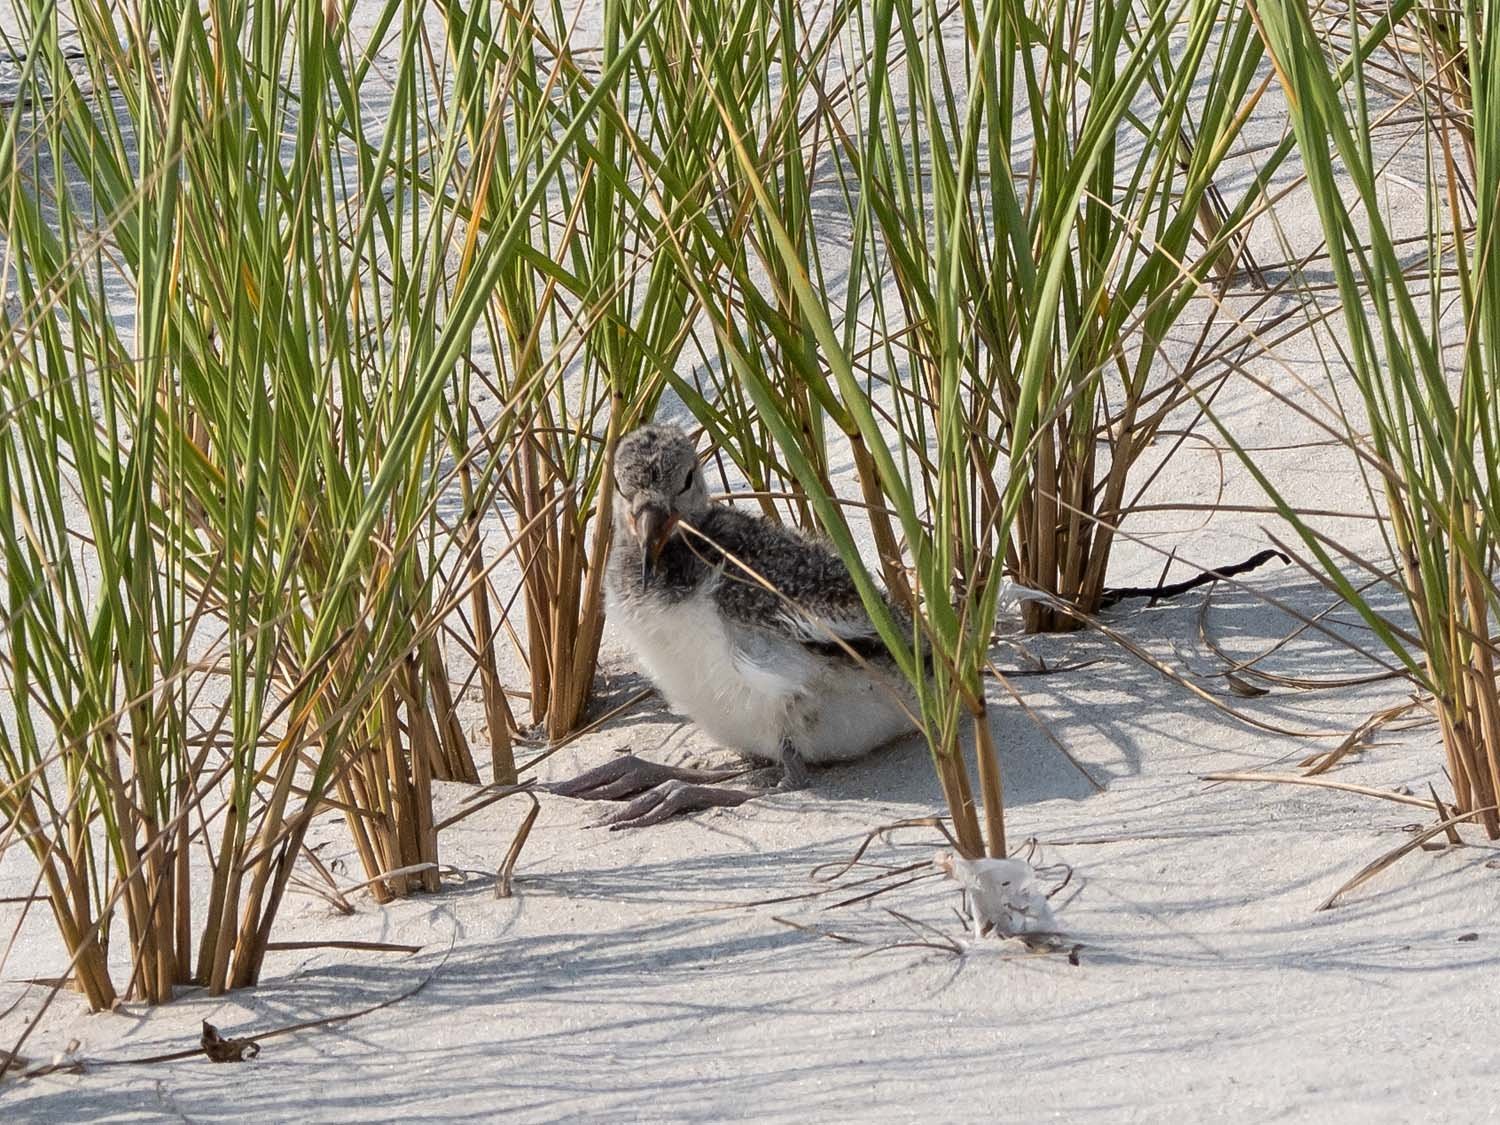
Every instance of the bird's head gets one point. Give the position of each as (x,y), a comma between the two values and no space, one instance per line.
(658,483)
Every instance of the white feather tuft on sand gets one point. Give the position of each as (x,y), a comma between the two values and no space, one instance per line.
(1004,894)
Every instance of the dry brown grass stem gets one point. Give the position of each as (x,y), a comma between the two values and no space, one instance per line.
(1321,783)
(1444,827)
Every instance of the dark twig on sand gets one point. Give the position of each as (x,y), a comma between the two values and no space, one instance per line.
(214,1046)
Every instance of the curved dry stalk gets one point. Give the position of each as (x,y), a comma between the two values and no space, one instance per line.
(1375,867)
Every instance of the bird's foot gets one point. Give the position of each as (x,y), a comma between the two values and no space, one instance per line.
(658,792)
(674,797)
(794,773)
(628,775)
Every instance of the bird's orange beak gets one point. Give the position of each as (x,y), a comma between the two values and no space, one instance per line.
(653,527)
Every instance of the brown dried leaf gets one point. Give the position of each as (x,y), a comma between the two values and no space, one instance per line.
(1244,688)
(222,1050)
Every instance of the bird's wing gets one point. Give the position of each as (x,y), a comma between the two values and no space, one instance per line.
(825,633)
(780,581)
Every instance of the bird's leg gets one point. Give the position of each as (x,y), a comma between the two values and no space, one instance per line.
(672,798)
(626,775)
(657,792)
(794,773)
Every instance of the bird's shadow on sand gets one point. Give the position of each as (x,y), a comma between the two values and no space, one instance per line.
(900,771)
(1088,709)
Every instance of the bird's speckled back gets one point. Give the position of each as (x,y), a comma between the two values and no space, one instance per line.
(801,570)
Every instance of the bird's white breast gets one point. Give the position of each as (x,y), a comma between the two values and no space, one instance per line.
(750,690)
(686,649)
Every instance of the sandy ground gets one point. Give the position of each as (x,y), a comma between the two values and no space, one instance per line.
(633,977)
(646,976)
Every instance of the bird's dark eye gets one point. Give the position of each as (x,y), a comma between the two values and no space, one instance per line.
(687,484)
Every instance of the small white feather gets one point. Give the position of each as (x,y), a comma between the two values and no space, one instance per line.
(1003,893)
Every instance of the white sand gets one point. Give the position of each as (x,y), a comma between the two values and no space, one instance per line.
(616,985)
(611,988)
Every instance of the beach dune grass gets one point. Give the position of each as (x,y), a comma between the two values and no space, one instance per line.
(259,284)
(242,297)
(1425,431)
(991,354)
